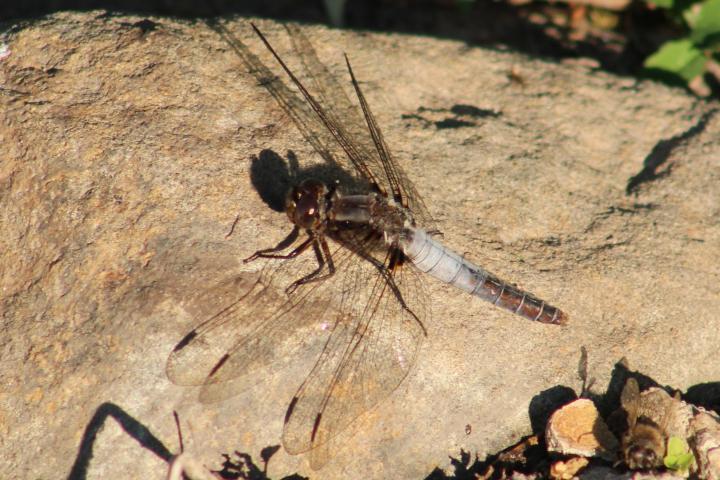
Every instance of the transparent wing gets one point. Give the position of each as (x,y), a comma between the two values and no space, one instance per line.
(372,320)
(372,346)
(255,317)
(335,127)
(359,128)
(295,106)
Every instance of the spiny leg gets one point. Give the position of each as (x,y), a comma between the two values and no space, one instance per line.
(322,257)
(395,259)
(285,243)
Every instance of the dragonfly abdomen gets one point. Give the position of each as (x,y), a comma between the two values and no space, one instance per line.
(435,259)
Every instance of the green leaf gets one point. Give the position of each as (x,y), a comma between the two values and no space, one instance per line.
(690,13)
(663,3)
(679,457)
(678,58)
(676,446)
(706,31)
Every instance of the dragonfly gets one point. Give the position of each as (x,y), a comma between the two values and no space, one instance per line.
(352,270)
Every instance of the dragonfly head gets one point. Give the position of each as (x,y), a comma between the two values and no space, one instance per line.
(305,204)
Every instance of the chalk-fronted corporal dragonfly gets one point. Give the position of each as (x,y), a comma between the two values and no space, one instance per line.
(352,268)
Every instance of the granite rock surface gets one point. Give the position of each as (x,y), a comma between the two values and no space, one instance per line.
(126,153)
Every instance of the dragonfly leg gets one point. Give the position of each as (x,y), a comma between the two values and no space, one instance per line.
(323,257)
(435,233)
(285,243)
(395,260)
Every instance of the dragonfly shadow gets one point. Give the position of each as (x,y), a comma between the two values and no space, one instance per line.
(132,426)
(273,176)
(240,465)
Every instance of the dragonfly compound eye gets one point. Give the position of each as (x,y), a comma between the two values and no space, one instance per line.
(305,205)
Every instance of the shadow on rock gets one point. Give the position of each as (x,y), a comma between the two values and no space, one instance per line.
(662,151)
(237,466)
(527,456)
(133,427)
(706,395)
(273,176)
(545,403)
(241,466)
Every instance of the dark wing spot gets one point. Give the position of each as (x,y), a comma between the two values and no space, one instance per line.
(315,427)
(219,364)
(187,339)
(290,409)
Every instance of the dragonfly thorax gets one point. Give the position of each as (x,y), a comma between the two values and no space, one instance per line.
(306,204)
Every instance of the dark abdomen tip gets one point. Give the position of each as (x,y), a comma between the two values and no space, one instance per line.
(561,318)
(552,315)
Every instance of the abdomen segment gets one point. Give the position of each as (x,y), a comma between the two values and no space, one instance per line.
(433,258)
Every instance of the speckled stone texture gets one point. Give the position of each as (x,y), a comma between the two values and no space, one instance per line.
(125,156)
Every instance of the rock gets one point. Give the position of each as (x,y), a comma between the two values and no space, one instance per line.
(578,429)
(127,146)
(706,440)
(567,469)
(604,472)
(601,472)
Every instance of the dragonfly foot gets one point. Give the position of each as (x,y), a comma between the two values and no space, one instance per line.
(292,287)
(252,257)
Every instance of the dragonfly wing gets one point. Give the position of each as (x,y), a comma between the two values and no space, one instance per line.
(254,316)
(295,106)
(359,127)
(371,348)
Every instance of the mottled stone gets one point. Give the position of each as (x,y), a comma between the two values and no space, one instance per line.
(578,429)
(567,469)
(126,149)
(705,426)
